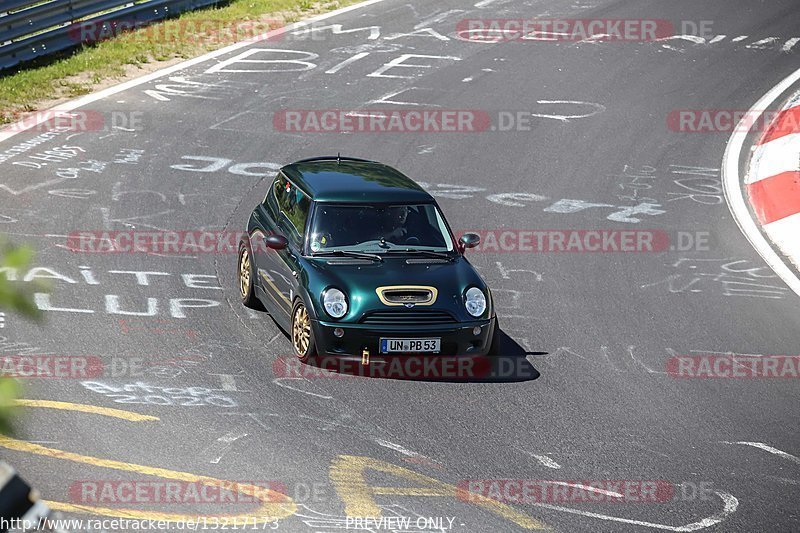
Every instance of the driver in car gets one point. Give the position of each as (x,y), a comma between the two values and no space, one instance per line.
(396,230)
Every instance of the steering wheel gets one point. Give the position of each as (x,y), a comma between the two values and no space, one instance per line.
(412,241)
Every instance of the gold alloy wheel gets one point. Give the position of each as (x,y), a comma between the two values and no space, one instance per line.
(244,273)
(301,330)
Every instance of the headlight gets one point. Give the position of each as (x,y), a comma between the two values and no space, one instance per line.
(335,303)
(475,301)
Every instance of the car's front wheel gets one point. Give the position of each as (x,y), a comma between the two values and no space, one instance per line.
(246,277)
(302,334)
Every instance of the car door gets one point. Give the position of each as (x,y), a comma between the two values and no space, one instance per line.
(287,207)
(265,223)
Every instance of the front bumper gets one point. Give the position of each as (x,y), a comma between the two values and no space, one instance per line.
(457,339)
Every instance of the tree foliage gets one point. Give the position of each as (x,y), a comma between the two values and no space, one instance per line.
(15,298)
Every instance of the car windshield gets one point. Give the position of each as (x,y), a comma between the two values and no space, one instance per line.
(379,228)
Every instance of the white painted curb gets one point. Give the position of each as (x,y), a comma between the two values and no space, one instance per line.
(732,186)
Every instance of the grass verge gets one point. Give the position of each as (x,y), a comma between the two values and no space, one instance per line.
(138,52)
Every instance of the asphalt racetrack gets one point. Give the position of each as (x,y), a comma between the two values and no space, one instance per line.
(570,137)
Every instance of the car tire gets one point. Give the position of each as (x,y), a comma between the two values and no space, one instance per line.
(494,347)
(246,276)
(302,334)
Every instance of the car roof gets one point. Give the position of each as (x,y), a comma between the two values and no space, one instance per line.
(347,179)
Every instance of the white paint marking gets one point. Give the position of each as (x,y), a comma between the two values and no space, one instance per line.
(29,188)
(763,44)
(505,273)
(548,462)
(346,62)
(691,38)
(14,129)
(595,38)
(604,349)
(787,47)
(336,29)
(647,368)
(586,487)
(739,38)
(729,353)
(426,23)
(400,62)
(299,64)
(598,108)
(42,301)
(280,382)
(731,504)
(223,444)
(396,447)
(228,381)
(732,186)
(514,199)
(769,449)
(156,94)
(386,99)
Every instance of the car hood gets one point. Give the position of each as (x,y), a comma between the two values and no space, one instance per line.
(360,279)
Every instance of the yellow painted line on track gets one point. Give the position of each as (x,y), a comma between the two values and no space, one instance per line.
(348,475)
(83,408)
(272,504)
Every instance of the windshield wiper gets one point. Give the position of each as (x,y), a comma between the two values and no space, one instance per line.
(348,253)
(429,253)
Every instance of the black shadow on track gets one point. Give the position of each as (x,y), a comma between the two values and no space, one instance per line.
(510,366)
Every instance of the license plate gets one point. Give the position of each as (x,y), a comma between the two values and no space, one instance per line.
(410,345)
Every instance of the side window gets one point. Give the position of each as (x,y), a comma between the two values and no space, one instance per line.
(294,206)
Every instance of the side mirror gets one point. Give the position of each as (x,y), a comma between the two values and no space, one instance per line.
(469,240)
(276,242)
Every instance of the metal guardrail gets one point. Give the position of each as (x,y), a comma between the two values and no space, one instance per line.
(30,29)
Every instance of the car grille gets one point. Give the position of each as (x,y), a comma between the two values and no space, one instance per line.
(404,296)
(408,317)
(399,295)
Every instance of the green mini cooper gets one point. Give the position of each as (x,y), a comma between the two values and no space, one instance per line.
(356,260)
